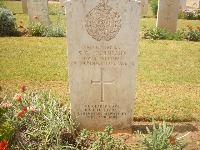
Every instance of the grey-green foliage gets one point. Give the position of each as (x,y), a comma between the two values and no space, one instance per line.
(49,127)
(158,34)
(90,140)
(159,138)
(7,23)
(39,29)
(36,29)
(54,31)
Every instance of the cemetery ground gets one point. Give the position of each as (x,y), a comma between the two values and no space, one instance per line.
(168,76)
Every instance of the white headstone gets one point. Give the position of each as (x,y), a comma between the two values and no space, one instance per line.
(144,7)
(167,15)
(102,39)
(24,6)
(193,3)
(38,11)
(182,4)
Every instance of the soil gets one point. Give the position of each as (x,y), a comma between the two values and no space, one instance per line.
(191,129)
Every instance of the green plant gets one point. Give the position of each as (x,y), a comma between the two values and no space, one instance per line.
(90,140)
(154,6)
(54,9)
(36,29)
(54,31)
(39,29)
(1,4)
(6,129)
(154,33)
(39,120)
(158,34)
(21,28)
(192,34)
(160,138)
(7,23)
(190,14)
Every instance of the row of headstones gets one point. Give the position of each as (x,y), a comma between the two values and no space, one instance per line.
(167,11)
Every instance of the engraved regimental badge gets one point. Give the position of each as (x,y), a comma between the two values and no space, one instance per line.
(102,22)
(169,2)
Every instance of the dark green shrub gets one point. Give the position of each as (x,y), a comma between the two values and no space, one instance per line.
(7,23)
(154,6)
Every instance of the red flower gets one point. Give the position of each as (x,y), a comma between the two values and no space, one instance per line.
(23,88)
(20,113)
(3,145)
(188,25)
(198,27)
(17,97)
(172,140)
(6,105)
(24,108)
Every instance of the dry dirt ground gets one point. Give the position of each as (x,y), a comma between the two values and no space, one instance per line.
(191,141)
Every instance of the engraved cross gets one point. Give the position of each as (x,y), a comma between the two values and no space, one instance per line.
(102,83)
(167,18)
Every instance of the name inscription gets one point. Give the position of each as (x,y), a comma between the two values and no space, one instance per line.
(102,56)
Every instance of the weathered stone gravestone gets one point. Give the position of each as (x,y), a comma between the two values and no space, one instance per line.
(144,7)
(24,6)
(183,4)
(193,3)
(102,37)
(167,15)
(38,11)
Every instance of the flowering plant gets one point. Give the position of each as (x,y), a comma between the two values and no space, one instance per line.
(192,34)
(190,14)
(35,120)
